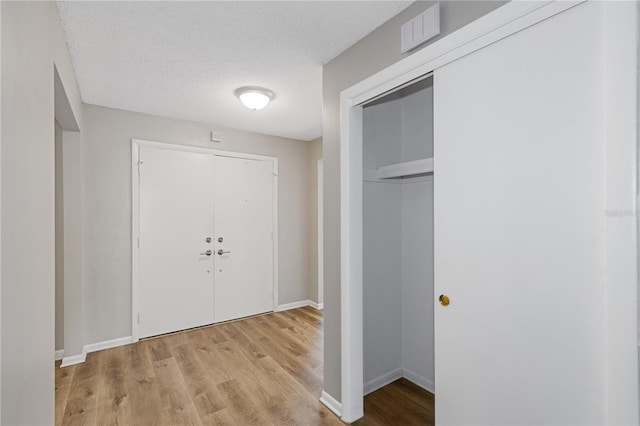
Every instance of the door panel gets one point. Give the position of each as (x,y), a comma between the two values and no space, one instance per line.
(244,220)
(176,215)
(520,226)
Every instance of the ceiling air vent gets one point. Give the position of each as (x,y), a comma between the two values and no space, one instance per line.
(420,29)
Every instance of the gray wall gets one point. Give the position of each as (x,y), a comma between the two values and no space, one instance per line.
(417,283)
(382,241)
(107,197)
(315,154)
(32,44)
(398,281)
(376,51)
(59,236)
(73,246)
(398,240)
(417,238)
(382,286)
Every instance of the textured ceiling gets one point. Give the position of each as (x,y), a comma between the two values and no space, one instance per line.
(185,59)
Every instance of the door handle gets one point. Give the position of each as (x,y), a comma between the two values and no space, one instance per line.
(444,300)
(206,253)
(221,252)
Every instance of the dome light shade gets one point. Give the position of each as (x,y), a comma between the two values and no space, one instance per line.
(255,98)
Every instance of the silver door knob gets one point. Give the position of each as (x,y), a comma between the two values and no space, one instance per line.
(206,253)
(221,252)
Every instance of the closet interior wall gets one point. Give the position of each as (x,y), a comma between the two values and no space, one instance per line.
(398,240)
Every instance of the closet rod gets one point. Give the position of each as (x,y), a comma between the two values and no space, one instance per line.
(395,89)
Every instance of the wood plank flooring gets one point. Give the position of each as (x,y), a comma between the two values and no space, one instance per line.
(398,403)
(263,370)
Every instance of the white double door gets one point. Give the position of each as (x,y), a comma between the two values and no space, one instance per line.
(206,239)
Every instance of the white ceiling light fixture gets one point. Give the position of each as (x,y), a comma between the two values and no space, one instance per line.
(255,98)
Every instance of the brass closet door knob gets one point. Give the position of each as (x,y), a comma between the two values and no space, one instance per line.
(444,300)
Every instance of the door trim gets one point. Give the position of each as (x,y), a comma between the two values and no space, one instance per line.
(135,215)
(622,240)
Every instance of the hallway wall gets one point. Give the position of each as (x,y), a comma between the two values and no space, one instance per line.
(32,46)
(107,194)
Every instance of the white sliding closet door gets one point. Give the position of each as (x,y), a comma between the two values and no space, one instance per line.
(520,227)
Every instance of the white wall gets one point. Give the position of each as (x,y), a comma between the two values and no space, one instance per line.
(32,44)
(107,192)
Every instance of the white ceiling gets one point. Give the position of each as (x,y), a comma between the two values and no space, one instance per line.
(185,59)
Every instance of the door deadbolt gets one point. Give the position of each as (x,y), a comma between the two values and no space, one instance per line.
(220,239)
(208,239)
(444,300)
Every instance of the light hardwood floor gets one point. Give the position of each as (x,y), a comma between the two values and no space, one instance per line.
(263,370)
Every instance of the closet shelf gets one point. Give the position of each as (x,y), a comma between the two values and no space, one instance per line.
(407,168)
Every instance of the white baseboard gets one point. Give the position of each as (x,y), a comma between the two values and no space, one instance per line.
(74,359)
(314,305)
(419,380)
(299,304)
(331,403)
(59,354)
(382,381)
(94,347)
(398,373)
(108,344)
(292,305)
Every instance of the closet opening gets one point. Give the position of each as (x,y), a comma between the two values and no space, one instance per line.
(398,257)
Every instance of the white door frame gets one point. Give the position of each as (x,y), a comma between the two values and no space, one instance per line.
(135,215)
(621,305)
